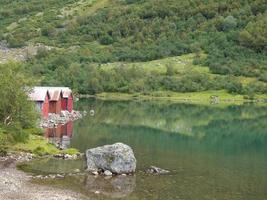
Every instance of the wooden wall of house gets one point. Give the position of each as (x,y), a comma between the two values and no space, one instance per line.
(64,103)
(70,103)
(55,106)
(45,107)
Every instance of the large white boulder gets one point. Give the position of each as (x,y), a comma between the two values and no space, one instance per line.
(117,158)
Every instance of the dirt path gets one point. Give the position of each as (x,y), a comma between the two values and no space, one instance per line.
(16,185)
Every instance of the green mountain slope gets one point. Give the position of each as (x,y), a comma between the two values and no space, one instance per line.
(232,35)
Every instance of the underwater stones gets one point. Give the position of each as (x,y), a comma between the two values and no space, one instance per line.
(156,170)
(117,158)
(67,156)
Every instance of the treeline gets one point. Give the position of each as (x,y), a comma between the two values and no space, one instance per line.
(92,78)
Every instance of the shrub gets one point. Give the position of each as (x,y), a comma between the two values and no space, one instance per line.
(106,40)
(170,70)
(234,87)
(42,52)
(40,151)
(15,42)
(48,31)
(3,152)
(263,77)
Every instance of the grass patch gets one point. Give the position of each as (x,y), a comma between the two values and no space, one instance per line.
(37,145)
(40,146)
(181,64)
(70,151)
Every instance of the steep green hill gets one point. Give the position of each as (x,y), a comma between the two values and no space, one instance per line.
(87,33)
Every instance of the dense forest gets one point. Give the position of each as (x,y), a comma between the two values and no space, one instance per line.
(229,37)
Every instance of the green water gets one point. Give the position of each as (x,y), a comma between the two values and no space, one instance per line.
(213,152)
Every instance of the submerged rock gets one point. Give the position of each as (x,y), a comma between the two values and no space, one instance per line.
(117,158)
(156,170)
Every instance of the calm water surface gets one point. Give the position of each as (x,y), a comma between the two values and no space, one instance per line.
(213,152)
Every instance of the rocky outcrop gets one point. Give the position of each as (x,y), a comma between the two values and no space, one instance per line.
(20,54)
(65,116)
(117,158)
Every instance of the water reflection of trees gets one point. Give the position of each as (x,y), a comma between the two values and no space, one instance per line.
(179,118)
(175,126)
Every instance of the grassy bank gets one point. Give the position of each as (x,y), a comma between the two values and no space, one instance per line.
(38,145)
(190,97)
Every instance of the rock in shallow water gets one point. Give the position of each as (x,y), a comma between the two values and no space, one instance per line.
(107,173)
(117,158)
(156,170)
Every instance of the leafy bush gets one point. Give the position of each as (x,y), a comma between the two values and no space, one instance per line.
(40,151)
(106,40)
(3,152)
(234,87)
(263,77)
(255,35)
(15,42)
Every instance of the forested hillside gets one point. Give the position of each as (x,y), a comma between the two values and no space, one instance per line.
(227,36)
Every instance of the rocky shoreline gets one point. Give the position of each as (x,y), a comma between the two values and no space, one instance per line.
(64,117)
(15,184)
(112,175)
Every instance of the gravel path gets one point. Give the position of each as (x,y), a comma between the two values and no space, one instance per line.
(16,185)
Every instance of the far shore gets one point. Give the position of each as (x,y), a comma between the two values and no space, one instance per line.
(206,97)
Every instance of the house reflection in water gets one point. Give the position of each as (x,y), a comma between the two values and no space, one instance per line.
(60,135)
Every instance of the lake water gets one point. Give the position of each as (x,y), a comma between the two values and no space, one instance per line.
(213,152)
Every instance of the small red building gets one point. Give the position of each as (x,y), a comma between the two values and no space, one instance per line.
(52,99)
(67,99)
(55,101)
(41,98)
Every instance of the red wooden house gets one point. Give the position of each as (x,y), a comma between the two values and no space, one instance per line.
(41,98)
(55,100)
(67,99)
(52,99)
